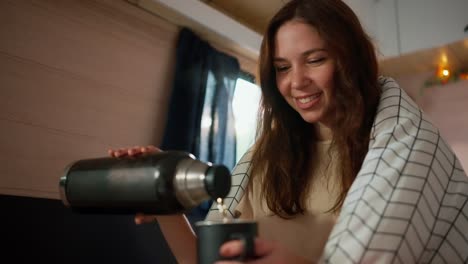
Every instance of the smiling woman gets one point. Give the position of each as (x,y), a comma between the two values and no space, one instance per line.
(345,167)
(304,71)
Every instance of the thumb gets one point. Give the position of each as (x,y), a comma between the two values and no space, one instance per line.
(263,247)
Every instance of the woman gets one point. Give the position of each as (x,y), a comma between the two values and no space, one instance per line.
(345,167)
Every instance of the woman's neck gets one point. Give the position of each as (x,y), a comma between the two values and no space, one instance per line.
(324,133)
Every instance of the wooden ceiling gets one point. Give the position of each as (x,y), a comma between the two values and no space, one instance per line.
(254,14)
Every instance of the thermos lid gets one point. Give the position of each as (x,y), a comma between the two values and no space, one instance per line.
(218,181)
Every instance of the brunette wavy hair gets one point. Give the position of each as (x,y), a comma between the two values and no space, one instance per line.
(285,142)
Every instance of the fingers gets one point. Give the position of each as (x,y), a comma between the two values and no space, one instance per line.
(133,152)
(118,153)
(111,153)
(263,247)
(236,247)
(138,220)
(231,248)
(144,219)
(150,149)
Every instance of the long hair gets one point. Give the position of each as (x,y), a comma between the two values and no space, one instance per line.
(285,142)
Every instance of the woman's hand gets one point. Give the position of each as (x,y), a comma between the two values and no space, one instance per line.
(133,152)
(265,251)
(136,152)
(145,219)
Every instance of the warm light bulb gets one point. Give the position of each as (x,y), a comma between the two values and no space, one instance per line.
(443,72)
(444,59)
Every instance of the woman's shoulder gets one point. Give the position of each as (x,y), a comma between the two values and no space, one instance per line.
(396,108)
(244,164)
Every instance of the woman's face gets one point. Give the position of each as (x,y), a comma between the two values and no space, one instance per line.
(304,71)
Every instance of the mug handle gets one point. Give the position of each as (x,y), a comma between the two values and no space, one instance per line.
(249,245)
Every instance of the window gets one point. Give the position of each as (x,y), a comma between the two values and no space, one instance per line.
(245,105)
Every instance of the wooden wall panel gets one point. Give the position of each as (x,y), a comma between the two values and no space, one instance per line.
(76,78)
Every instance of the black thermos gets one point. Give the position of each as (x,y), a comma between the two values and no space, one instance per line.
(164,183)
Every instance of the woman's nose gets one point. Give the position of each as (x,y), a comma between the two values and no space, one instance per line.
(298,78)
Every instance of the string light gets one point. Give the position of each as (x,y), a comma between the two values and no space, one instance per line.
(444,74)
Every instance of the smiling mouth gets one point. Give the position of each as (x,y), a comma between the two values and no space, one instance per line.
(308,99)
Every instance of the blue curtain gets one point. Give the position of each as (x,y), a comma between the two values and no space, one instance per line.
(200,118)
(218,139)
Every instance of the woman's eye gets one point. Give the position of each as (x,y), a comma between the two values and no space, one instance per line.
(281,68)
(316,61)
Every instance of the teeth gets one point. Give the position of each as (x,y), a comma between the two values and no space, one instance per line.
(308,99)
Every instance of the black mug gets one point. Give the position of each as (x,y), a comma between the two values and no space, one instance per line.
(211,235)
